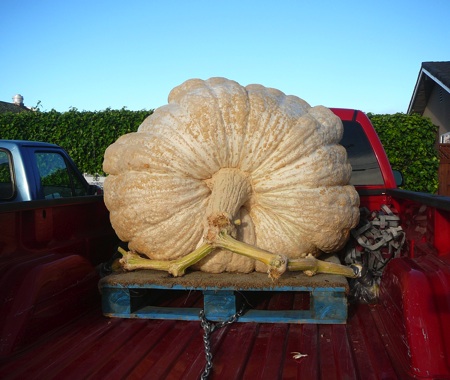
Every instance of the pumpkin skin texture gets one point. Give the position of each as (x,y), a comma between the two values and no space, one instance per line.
(270,161)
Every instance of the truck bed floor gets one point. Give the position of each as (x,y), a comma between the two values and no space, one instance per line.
(96,347)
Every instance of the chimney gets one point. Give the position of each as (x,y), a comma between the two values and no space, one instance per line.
(18,100)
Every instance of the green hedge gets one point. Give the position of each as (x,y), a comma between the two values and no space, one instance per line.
(409,140)
(84,134)
(410,144)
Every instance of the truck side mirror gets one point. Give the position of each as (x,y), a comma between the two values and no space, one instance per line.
(398,176)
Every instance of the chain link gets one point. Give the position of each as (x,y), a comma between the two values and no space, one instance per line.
(209,327)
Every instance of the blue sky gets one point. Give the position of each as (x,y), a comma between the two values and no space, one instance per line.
(95,54)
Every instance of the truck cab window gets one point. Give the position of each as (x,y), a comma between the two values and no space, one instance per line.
(365,167)
(6,183)
(57,178)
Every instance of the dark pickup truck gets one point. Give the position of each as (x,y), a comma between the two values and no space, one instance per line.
(32,170)
(65,316)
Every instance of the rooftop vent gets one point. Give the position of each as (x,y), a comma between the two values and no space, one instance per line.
(18,100)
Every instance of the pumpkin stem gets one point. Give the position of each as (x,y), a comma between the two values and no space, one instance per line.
(311,266)
(277,264)
(230,189)
(132,261)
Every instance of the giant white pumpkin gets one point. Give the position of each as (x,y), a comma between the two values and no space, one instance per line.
(271,162)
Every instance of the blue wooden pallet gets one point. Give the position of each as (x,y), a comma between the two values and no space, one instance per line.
(129,295)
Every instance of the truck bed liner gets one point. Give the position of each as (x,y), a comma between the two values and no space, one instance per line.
(97,347)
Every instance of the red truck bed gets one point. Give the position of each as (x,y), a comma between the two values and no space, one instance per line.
(53,327)
(96,347)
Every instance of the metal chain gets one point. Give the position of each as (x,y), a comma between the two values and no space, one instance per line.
(378,238)
(209,327)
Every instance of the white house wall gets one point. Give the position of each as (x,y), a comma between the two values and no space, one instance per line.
(438,109)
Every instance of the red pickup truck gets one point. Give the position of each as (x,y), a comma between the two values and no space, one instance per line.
(55,255)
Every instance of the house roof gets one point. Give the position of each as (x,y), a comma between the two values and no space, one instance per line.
(11,107)
(431,74)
